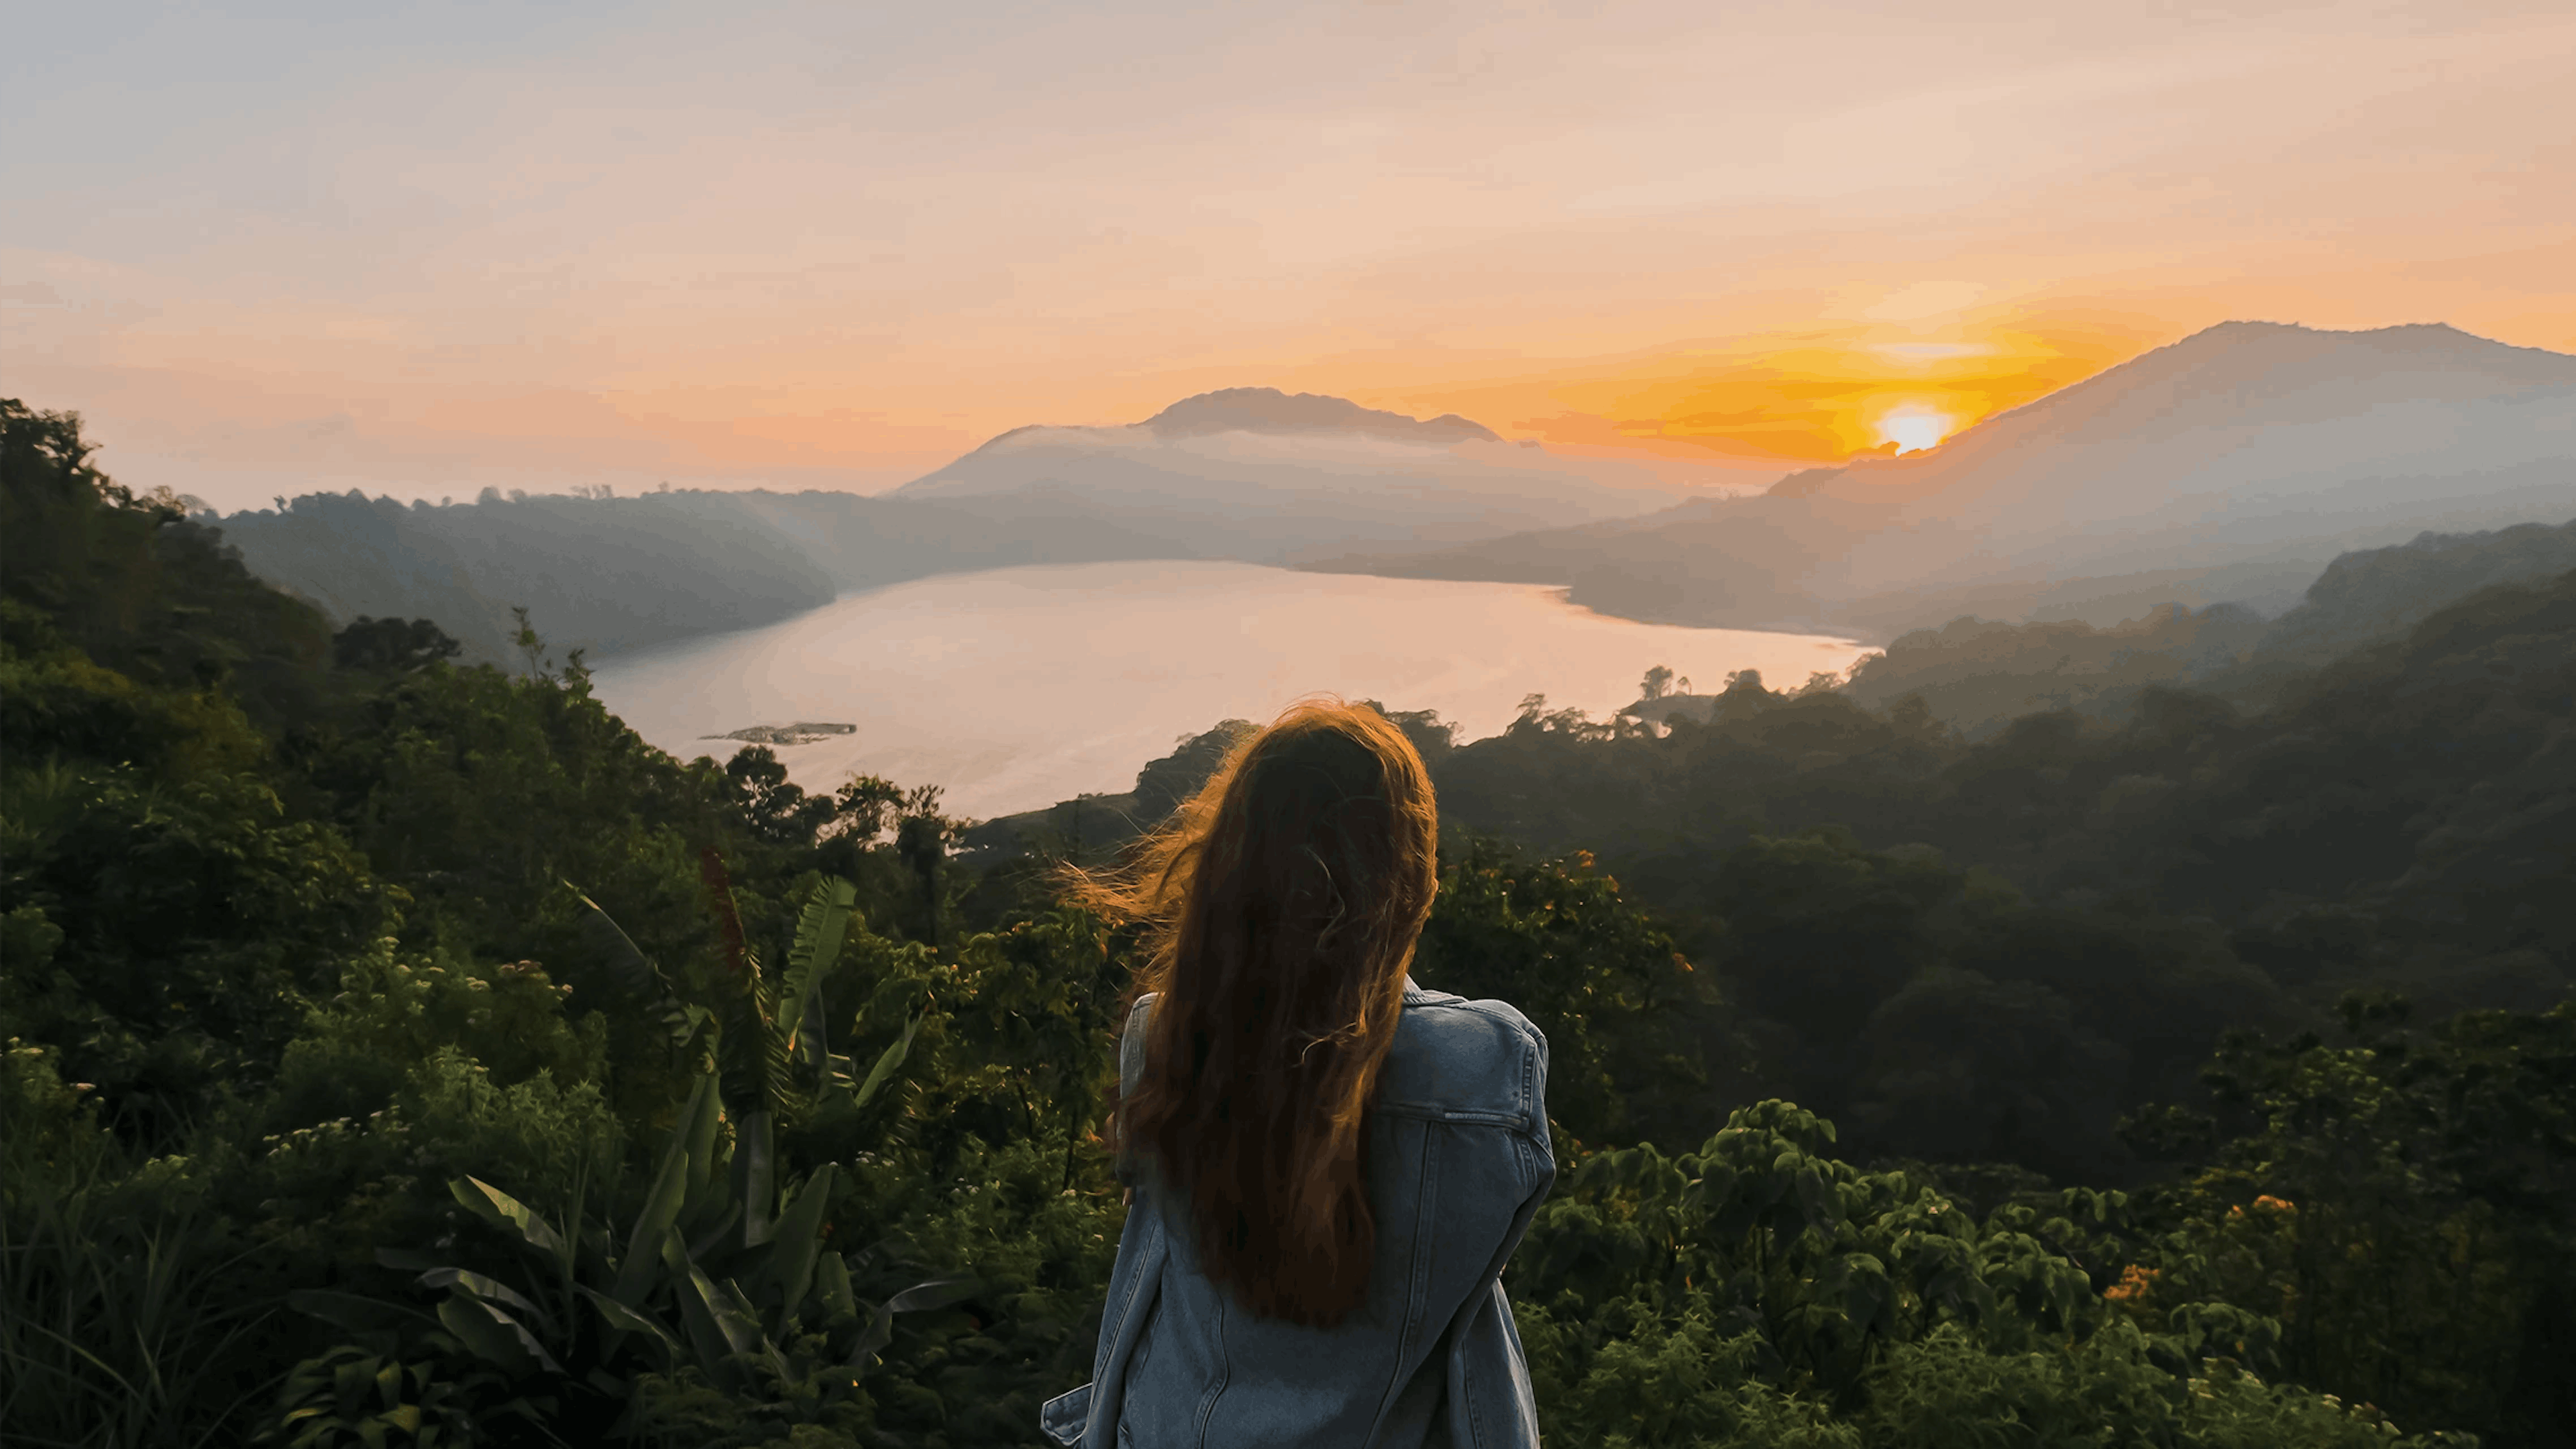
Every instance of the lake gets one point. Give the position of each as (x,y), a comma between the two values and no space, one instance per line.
(1015,688)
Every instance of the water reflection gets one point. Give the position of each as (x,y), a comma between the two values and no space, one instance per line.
(1015,688)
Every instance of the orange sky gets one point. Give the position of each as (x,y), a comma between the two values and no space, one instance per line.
(426,252)
(1791,400)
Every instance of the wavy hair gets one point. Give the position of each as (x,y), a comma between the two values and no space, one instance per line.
(1281,904)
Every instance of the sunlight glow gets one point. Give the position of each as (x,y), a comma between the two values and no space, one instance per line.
(1794,400)
(1920,353)
(1914,426)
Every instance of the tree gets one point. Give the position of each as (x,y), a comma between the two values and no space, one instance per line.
(398,645)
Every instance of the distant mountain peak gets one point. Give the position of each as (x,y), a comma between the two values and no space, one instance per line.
(2235,372)
(1268,410)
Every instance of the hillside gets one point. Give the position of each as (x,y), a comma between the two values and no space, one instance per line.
(606,574)
(597,574)
(1269,477)
(2230,466)
(1977,675)
(2370,595)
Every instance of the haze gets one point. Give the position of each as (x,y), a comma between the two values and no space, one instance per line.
(423,252)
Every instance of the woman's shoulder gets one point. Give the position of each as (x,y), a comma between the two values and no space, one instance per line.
(1452,1056)
(1458,1056)
(1451,1015)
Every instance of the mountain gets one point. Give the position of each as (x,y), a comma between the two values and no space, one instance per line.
(2229,466)
(1271,477)
(1268,410)
(1243,473)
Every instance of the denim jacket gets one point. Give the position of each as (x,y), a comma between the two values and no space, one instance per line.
(1459,1161)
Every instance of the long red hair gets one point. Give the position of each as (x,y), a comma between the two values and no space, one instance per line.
(1282,903)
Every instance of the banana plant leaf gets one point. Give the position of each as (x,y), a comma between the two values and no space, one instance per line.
(712,1239)
(489,1289)
(820,929)
(494,1336)
(719,1324)
(832,1286)
(670,1193)
(356,1312)
(755,1166)
(510,1215)
(620,1320)
(919,1298)
(799,1237)
(697,1137)
(625,973)
(887,1060)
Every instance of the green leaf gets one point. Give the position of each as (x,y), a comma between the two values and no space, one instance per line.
(621,1320)
(752,1049)
(353,1311)
(631,972)
(696,1134)
(832,1286)
(755,1167)
(489,1289)
(717,1324)
(799,1237)
(493,1336)
(637,1270)
(502,1210)
(820,928)
(891,1058)
(919,1298)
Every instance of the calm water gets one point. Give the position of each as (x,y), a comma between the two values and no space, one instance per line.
(1016,688)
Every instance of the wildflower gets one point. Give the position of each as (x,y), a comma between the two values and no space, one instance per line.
(2134,1283)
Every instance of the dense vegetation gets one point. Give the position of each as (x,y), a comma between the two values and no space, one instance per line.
(400,1051)
(1979,675)
(599,572)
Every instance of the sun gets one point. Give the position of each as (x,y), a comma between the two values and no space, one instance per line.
(1914,426)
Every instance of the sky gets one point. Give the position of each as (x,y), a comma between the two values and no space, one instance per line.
(421,250)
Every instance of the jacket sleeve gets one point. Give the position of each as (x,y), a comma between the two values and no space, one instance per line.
(1089,1415)
(1489,1404)
(1131,1066)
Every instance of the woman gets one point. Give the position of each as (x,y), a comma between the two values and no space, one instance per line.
(1328,1166)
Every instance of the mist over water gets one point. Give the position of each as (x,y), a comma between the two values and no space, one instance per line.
(1015,688)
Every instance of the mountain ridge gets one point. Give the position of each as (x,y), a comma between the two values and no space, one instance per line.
(2232,464)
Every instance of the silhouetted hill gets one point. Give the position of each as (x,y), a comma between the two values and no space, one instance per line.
(1268,410)
(2370,595)
(1271,477)
(2229,466)
(608,574)
(602,574)
(1977,675)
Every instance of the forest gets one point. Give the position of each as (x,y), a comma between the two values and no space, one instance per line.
(396,1050)
(609,572)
